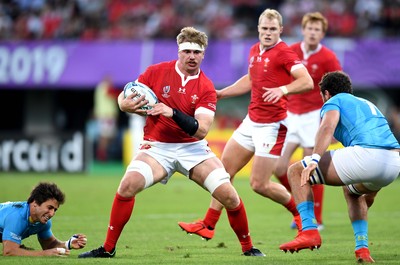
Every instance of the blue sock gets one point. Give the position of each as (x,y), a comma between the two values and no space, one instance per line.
(360,228)
(306,211)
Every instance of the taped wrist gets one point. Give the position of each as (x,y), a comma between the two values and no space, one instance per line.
(315,158)
(68,243)
(284,90)
(187,123)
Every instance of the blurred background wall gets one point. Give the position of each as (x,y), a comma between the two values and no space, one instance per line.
(62,63)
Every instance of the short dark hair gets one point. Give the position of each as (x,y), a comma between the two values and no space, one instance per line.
(45,191)
(336,82)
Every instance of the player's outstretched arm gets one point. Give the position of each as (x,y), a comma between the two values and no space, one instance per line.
(240,87)
(76,241)
(11,248)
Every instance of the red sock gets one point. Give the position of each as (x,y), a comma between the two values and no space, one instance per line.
(238,220)
(211,218)
(318,191)
(284,181)
(291,206)
(120,213)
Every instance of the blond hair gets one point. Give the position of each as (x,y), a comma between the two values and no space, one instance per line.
(190,34)
(315,17)
(271,14)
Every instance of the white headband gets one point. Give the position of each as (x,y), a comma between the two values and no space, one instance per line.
(190,46)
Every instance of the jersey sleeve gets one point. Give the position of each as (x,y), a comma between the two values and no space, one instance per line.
(331,104)
(13,228)
(146,77)
(289,59)
(209,98)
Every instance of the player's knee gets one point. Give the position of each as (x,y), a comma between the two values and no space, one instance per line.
(226,194)
(216,178)
(144,170)
(370,198)
(259,186)
(294,171)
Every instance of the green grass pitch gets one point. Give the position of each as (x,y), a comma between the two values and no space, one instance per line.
(152,235)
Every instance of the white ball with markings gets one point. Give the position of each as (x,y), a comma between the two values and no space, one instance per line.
(141,89)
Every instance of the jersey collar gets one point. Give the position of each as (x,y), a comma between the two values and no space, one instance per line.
(183,80)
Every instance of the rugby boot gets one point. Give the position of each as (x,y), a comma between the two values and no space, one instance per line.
(304,239)
(363,255)
(98,253)
(254,252)
(197,228)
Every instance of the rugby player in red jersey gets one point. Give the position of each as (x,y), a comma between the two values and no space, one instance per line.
(274,72)
(174,141)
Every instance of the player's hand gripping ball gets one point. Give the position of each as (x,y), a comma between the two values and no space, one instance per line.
(141,89)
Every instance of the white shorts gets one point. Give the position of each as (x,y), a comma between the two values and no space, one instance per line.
(177,157)
(374,168)
(264,139)
(302,128)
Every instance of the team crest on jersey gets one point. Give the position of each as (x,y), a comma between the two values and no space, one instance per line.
(266,61)
(314,68)
(166,90)
(251,62)
(194,98)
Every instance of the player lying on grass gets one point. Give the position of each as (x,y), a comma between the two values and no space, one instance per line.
(19,220)
(369,162)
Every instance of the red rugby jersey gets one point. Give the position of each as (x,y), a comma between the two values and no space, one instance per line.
(269,68)
(170,87)
(319,62)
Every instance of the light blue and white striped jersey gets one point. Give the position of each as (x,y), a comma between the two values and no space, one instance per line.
(361,123)
(15,225)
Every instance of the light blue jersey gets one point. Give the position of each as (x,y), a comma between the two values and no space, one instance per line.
(361,123)
(15,225)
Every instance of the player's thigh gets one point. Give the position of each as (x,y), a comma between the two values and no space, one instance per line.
(263,168)
(201,171)
(142,172)
(235,157)
(211,175)
(327,170)
(284,159)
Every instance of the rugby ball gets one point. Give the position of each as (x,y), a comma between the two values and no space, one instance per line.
(141,89)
